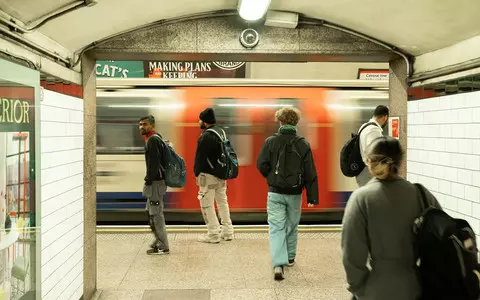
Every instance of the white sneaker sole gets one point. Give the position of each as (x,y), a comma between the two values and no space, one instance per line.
(208,241)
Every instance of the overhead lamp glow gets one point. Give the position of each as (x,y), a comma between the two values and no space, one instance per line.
(252,10)
(254,105)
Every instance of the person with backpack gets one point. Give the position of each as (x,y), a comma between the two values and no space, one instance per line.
(155,187)
(286,161)
(378,226)
(353,156)
(213,166)
(368,132)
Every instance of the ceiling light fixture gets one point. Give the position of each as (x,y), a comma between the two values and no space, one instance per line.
(252,10)
(281,19)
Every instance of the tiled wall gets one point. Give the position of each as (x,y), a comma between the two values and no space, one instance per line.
(444,152)
(61,196)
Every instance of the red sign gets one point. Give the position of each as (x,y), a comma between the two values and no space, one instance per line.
(394,127)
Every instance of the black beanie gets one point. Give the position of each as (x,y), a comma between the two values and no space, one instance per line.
(208,116)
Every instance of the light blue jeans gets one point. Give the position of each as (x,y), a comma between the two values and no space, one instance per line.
(284,213)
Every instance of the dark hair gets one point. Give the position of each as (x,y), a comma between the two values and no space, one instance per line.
(381,111)
(385,157)
(149,118)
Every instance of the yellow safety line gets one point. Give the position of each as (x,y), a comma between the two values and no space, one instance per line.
(139,230)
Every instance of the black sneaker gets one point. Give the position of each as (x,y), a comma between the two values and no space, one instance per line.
(157,251)
(291,262)
(278,273)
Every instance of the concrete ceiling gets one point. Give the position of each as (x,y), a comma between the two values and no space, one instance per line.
(414,26)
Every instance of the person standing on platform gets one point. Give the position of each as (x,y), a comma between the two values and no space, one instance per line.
(155,187)
(286,161)
(373,130)
(212,188)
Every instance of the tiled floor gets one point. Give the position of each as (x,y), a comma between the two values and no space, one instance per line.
(239,269)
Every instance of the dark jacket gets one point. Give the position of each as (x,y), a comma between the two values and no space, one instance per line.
(154,155)
(208,151)
(269,155)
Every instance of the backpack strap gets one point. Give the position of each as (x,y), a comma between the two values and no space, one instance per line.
(423,197)
(366,125)
(218,134)
(295,140)
(163,150)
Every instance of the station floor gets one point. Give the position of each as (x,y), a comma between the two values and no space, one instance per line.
(239,269)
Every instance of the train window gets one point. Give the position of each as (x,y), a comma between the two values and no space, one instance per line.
(239,125)
(118,113)
(117,127)
(238,129)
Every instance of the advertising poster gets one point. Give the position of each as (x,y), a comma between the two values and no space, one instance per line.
(17,150)
(194,69)
(119,69)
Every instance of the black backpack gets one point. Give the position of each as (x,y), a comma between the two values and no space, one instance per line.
(226,166)
(173,166)
(446,252)
(351,162)
(288,170)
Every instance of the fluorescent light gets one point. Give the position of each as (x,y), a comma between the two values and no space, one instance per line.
(255,105)
(252,10)
(145,106)
(281,19)
(349,107)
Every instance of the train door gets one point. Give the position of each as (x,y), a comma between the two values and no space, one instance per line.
(247,113)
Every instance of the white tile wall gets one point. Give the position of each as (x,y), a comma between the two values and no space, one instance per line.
(444,152)
(61,196)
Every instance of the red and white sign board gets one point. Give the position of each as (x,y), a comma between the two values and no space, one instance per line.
(373,74)
(394,127)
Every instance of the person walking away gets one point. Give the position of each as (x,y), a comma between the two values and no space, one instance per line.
(155,187)
(373,130)
(378,225)
(286,161)
(211,187)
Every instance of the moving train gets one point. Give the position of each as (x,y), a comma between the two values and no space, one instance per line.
(329,116)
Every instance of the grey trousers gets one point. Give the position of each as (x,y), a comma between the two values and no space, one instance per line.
(154,208)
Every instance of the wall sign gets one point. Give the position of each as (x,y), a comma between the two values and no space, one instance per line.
(119,69)
(17,112)
(169,69)
(373,74)
(194,69)
(394,127)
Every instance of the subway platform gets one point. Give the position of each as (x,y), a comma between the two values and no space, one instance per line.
(239,269)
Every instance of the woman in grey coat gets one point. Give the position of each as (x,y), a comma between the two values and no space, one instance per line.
(378,227)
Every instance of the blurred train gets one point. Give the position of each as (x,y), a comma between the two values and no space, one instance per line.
(329,116)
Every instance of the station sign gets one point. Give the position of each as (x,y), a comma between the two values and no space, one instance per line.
(373,74)
(169,69)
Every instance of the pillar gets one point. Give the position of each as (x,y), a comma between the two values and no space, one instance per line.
(398,87)
(89,177)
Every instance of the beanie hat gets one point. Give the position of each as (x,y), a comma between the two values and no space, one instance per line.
(208,116)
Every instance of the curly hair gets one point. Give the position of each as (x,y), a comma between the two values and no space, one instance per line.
(288,116)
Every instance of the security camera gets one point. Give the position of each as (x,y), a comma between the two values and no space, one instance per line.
(249,38)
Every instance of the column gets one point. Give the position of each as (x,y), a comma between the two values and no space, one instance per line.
(398,87)
(89,177)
